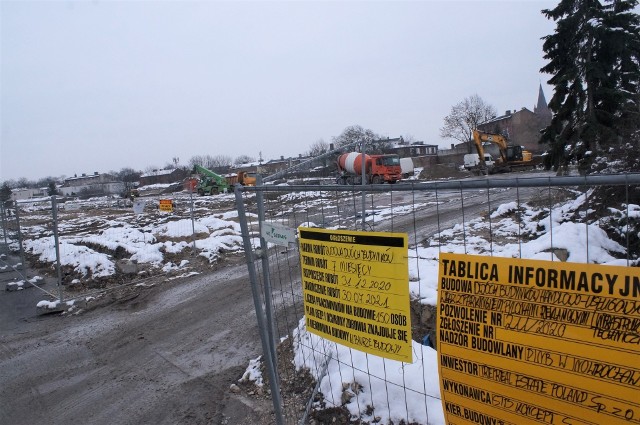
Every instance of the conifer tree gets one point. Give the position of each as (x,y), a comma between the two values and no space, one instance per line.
(5,192)
(52,189)
(594,62)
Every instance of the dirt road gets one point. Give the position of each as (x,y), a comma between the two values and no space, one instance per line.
(165,354)
(162,355)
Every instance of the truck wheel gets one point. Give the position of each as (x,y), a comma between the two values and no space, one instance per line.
(375,180)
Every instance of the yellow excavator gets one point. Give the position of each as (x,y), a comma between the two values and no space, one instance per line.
(512,157)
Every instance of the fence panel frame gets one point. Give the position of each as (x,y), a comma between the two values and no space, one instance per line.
(263,291)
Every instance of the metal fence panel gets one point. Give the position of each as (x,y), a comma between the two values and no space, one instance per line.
(578,219)
(86,247)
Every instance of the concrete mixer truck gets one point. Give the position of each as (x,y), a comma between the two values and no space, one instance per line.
(378,168)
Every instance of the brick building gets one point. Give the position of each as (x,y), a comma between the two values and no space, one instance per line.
(522,127)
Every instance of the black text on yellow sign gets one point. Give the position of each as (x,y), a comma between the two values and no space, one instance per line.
(356,289)
(530,342)
(166,205)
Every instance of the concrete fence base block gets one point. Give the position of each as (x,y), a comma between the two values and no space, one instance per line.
(48,307)
(127,267)
(16,286)
(19,285)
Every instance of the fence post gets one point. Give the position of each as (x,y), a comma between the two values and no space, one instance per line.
(4,222)
(248,253)
(265,275)
(193,224)
(22,257)
(364,196)
(54,210)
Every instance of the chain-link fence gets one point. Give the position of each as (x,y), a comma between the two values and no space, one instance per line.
(594,219)
(79,248)
(76,249)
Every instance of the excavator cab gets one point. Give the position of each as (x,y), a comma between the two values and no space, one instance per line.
(514,153)
(518,153)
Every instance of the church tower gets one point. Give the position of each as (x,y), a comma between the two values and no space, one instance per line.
(541,108)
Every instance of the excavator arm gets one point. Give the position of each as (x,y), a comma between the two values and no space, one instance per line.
(210,181)
(221,181)
(511,157)
(479,137)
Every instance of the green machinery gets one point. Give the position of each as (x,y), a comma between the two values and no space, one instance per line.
(210,183)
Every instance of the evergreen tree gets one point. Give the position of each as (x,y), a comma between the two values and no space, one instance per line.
(5,192)
(594,62)
(52,189)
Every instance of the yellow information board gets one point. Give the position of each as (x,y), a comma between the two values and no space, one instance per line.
(356,289)
(166,205)
(538,342)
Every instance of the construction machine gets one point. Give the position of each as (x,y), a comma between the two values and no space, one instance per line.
(378,168)
(210,183)
(246,178)
(512,157)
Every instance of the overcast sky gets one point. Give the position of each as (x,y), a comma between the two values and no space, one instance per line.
(102,85)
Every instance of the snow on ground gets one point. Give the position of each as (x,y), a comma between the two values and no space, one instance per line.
(517,230)
(384,389)
(94,235)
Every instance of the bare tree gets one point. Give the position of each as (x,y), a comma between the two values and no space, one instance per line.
(318,148)
(356,133)
(12,184)
(24,182)
(243,159)
(220,161)
(45,181)
(127,174)
(210,162)
(409,139)
(198,160)
(465,117)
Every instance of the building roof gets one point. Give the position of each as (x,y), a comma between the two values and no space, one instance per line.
(541,108)
(158,173)
(83,177)
(403,144)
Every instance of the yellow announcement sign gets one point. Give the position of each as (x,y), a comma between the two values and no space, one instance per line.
(166,205)
(538,342)
(356,289)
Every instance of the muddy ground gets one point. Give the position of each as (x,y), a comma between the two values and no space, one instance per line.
(166,353)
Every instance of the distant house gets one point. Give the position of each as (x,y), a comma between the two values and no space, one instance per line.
(408,150)
(21,194)
(522,127)
(275,165)
(91,185)
(421,154)
(175,175)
